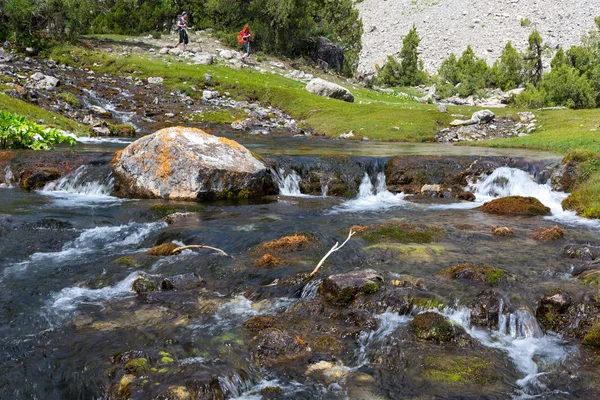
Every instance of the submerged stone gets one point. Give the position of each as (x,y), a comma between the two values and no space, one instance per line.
(459,370)
(189,164)
(516,205)
(275,347)
(343,288)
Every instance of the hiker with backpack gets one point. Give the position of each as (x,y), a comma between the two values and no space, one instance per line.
(244,38)
(182,28)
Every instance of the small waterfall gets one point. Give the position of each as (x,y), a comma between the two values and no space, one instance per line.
(371,196)
(123,117)
(83,181)
(506,181)
(235,385)
(388,322)
(518,325)
(289,184)
(8,178)
(309,291)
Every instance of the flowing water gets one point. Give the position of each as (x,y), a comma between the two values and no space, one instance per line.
(70,252)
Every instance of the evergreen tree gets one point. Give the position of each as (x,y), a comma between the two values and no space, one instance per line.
(534,68)
(411,66)
(507,72)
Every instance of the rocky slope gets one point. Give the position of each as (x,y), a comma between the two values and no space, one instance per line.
(448,26)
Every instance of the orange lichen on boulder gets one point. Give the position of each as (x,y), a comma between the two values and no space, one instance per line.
(359,228)
(287,244)
(545,234)
(268,261)
(502,231)
(516,205)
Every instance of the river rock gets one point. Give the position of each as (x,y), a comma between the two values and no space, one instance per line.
(343,288)
(516,205)
(552,308)
(483,116)
(189,164)
(4,56)
(39,179)
(45,82)
(163,51)
(182,282)
(435,327)
(176,51)
(582,252)
(330,53)
(485,308)
(101,112)
(324,88)
(275,347)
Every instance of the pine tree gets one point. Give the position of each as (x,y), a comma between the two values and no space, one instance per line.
(411,66)
(533,58)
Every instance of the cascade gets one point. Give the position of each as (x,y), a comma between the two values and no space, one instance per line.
(289,184)
(84,181)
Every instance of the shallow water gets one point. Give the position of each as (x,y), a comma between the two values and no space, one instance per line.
(68,306)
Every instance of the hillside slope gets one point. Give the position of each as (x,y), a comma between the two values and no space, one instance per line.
(448,26)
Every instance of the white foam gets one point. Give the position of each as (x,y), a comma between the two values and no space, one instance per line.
(289,184)
(388,322)
(70,298)
(372,197)
(100,140)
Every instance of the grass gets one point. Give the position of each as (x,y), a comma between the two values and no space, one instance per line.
(379,116)
(37,114)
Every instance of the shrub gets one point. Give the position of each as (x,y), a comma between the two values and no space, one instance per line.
(16,132)
(507,72)
(566,87)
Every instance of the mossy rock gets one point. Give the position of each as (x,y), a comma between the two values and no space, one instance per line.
(128,261)
(260,323)
(122,129)
(39,179)
(136,366)
(459,370)
(593,336)
(271,393)
(342,289)
(327,344)
(144,285)
(163,210)
(165,249)
(402,232)
(516,205)
(482,274)
(268,261)
(434,327)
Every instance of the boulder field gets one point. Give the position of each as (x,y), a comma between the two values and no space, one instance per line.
(189,164)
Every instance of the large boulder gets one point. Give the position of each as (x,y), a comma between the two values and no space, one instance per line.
(331,53)
(516,205)
(343,288)
(189,164)
(324,88)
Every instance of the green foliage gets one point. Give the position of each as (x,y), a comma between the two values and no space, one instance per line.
(16,132)
(507,72)
(534,67)
(525,22)
(532,97)
(409,71)
(69,98)
(468,73)
(566,86)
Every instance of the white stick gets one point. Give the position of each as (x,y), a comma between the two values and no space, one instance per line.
(335,248)
(199,246)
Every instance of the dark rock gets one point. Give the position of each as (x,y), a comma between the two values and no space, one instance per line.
(485,308)
(143,285)
(343,288)
(552,309)
(585,252)
(435,327)
(329,52)
(275,347)
(182,282)
(49,224)
(564,178)
(260,323)
(39,179)
(516,205)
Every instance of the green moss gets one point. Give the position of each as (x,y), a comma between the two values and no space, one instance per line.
(167,360)
(129,261)
(122,129)
(428,303)
(585,199)
(476,273)
(434,327)
(516,205)
(370,288)
(69,98)
(400,232)
(136,366)
(417,251)
(162,210)
(593,337)
(462,370)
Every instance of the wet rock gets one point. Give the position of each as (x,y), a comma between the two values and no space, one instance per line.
(143,285)
(585,252)
(485,308)
(545,234)
(459,370)
(101,112)
(189,164)
(39,179)
(401,232)
(273,347)
(331,90)
(260,323)
(165,249)
(155,80)
(240,125)
(343,288)
(329,53)
(182,282)
(516,205)
(475,273)
(51,224)
(552,309)
(435,327)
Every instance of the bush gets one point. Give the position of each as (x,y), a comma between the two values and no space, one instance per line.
(471,72)
(507,72)
(565,86)
(532,97)
(16,132)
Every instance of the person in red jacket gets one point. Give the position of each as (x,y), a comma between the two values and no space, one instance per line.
(244,38)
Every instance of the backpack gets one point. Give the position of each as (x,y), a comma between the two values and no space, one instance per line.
(241,37)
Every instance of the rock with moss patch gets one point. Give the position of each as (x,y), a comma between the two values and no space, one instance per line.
(592,338)
(188,164)
(475,273)
(485,308)
(144,284)
(435,327)
(546,234)
(516,205)
(185,281)
(459,370)
(343,288)
(553,308)
(39,179)
(274,347)
(260,322)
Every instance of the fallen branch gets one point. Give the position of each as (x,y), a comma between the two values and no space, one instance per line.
(199,246)
(335,248)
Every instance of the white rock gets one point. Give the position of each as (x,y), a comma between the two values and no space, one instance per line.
(164,50)
(154,80)
(324,88)
(203,59)
(227,54)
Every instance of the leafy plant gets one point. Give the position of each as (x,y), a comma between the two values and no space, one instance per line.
(16,132)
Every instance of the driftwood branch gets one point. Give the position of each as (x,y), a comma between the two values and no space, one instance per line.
(199,246)
(335,248)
